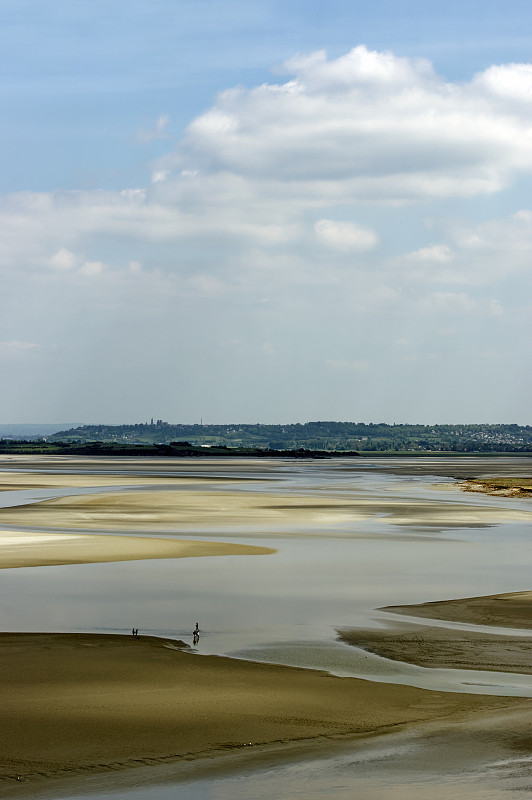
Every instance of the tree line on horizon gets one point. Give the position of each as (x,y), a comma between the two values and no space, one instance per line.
(329,436)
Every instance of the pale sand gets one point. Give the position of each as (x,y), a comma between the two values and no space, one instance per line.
(511,610)
(43,549)
(77,704)
(17,481)
(179,509)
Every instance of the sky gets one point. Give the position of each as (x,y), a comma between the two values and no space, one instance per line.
(275,212)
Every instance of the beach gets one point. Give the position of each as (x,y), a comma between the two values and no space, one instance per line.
(158,544)
(84,704)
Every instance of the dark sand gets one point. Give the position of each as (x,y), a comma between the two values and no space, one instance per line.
(79,704)
(511,610)
(435,646)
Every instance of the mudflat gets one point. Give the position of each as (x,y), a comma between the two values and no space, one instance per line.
(79,704)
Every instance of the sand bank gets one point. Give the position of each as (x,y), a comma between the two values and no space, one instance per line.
(77,704)
(49,466)
(43,549)
(430,646)
(16,481)
(179,509)
(512,610)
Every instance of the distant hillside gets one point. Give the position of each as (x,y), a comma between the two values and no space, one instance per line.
(32,430)
(330,436)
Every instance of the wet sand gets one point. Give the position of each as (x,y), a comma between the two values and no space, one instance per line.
(513,610)
(436,646)
(41,549)
(79,704)
(430,646)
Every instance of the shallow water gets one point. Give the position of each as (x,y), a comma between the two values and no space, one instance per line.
(286,608)
(433,764)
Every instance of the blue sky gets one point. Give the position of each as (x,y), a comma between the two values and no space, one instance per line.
(267,212)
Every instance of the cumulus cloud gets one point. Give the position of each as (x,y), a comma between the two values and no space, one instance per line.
(269,172)
(345,237)
(367,125)
(63,259)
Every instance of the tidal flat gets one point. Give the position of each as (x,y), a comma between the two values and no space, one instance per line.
(291,553)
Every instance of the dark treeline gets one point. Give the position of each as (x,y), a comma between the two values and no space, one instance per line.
(325,436)
(173,449)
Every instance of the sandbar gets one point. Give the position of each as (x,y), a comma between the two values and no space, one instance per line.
(78,704)
(437,646)
(24,549)
(511,609)
(431,646)
(179,509)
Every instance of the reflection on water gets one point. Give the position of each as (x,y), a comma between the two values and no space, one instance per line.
(286,608)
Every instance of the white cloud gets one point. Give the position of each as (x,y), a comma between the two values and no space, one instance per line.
(439,253)
(507,81)
(345,237)
(157,132)
(367,125)
(91,268)
(15,349)
(496,308)
(64,259)
(447,302)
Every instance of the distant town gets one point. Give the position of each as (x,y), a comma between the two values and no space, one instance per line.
(337,437)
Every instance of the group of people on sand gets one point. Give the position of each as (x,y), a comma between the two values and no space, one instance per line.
(195,633)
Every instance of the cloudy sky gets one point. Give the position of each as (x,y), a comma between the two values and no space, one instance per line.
(250,211)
